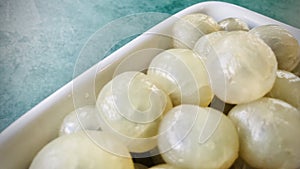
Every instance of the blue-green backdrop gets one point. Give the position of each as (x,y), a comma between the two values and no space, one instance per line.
(40,40)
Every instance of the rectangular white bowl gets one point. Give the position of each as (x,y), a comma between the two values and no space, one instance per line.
(25,137)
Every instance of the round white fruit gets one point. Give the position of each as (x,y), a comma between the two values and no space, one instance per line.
(90,150)
(82,118)
(283,44)
(182,76)
(206,43)
(195,137)
(286,88)
(242,68)
(188,29)
(131,107)
(233,24)
(269,133)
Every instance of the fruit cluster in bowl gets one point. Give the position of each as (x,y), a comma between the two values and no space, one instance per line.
(251,73)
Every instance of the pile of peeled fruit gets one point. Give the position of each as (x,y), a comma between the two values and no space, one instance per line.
(225,96)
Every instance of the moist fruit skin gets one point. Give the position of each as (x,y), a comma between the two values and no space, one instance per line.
(195,137)
(233,24)
(284,45)
(182,75)
(131,107)
(83,150)
(241,67)
(188,29)
(286,88)
(269,134)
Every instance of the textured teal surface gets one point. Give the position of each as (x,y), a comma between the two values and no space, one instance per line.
(40,40)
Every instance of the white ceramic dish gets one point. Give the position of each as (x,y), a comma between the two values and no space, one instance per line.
(25,137)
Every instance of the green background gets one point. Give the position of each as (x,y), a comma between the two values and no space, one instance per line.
(40,40)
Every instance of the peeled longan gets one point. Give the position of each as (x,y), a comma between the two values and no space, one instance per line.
(91,150)
(188,29)
(182,76)
(82,118)
(131,107)
(233,24)
(283,44)
(194,137)
(205,44)
(269,133)
(242,68)
(286,88)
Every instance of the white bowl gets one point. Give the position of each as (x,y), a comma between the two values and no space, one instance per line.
(26,136)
